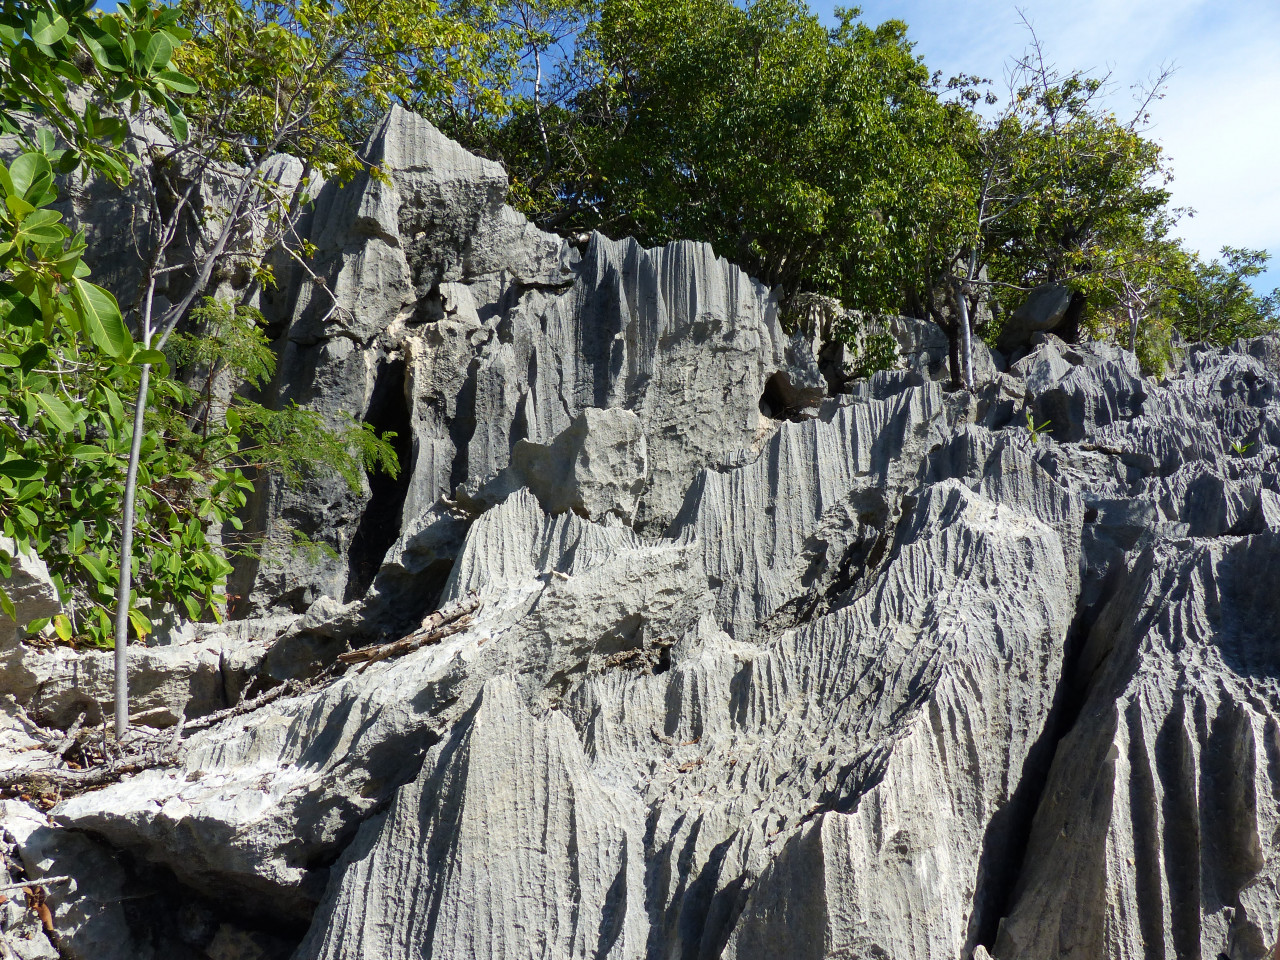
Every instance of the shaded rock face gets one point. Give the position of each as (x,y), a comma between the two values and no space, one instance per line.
(755,672)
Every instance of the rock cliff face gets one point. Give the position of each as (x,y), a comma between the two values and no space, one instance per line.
(755,672)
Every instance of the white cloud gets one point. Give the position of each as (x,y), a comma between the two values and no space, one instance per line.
(1219,122)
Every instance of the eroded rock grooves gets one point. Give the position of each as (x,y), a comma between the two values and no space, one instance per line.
(755,671)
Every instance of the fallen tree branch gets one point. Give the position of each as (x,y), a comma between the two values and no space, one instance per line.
(443,623)
(245,706)
(39,882)
(139,751)
(80,780)
(415,641)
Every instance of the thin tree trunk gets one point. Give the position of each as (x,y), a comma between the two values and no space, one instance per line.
(953,352)
(965,333)
(125,587)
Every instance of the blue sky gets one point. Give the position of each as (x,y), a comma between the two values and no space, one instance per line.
(1219,121)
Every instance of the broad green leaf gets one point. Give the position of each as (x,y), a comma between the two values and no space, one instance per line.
(141,625)
(28,169)
(52,233)
(114,406)
(178,123)
(150,356)
(47,32)
(42,218)
(159,50)
(42,226)
(100,315)
(58,412)
(9,360)
(105,52)
(6,604)
(62,627)
(177,82)
(96,568)
(19,469)
(87,451)
(18,206)
(41,193)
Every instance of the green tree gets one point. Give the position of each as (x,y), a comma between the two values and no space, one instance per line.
(70,453)
(1058,189)
(1215,301)
(270,78)
(809,155)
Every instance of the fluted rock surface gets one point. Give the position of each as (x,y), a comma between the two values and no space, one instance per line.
(755,672)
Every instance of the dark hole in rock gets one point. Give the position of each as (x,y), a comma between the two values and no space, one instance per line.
(773,402)
(430,308)
(380,524)
(782,401)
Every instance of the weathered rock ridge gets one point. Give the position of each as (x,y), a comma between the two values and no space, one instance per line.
(756,672)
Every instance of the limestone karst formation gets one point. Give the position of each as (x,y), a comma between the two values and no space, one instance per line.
(749,669)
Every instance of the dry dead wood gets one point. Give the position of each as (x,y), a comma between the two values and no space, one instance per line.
(441,624)
(246,706)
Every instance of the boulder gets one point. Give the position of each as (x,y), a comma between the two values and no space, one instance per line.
(1044,311)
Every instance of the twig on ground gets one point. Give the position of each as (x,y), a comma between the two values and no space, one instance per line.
(244,706)
(441,624)
(38,882)
(71,738)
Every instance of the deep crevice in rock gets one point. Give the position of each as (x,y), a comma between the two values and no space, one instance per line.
(463,427)
(1008,833)
(380,523)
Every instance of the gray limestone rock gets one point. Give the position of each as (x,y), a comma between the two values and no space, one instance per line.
(596,467)
(753,674)
(478,338)
(88,913)
(1158,827)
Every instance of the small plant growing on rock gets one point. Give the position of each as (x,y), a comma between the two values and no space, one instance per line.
(1034,429)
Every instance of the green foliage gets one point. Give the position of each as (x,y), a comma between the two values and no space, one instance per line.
(1036,429)
(50,47)
(67,368)
(1214,301)
(808,155)
(310,77)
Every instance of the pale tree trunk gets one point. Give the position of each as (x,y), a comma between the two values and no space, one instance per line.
(169,322)
(125,588)
(965,330)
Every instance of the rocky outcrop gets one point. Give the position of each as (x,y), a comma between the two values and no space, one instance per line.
(745,671)
(481,339)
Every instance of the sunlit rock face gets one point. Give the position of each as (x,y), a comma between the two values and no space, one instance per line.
(756,672)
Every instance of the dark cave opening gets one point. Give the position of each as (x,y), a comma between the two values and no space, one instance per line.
(380,523)
(782,401)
